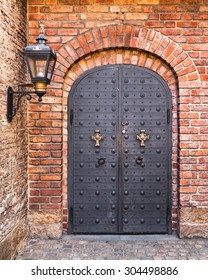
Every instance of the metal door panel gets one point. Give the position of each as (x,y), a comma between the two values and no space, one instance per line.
(123,194)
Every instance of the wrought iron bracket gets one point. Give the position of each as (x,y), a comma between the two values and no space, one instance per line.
(11,107)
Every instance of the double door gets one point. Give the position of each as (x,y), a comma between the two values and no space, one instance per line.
(119,152)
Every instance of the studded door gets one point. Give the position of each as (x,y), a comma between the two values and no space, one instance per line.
(120,152)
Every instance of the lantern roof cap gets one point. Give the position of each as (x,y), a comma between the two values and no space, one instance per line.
(41,39)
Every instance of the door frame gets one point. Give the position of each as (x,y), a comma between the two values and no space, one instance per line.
(70,148)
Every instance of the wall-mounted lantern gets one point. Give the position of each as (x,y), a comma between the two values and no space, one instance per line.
(40,61)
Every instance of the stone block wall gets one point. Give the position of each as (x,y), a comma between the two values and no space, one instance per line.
(168,36)
(13,136)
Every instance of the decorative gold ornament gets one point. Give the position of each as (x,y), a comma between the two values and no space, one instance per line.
(142,137)
(97,137)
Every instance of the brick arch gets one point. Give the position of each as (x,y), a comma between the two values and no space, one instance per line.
(120,56)
(129,45)
(128,37)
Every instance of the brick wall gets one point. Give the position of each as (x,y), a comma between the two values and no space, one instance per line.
(13,137)
(169,37)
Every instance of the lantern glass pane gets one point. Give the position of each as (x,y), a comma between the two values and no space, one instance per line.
(38,65)
(50,67)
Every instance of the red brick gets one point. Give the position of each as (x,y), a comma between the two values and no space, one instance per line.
(49,177)
(50,192)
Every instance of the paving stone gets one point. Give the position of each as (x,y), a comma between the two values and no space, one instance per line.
(71,247)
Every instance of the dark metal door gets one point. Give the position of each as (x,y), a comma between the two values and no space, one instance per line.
(120,152)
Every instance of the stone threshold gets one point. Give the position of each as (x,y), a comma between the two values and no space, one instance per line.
(108,237)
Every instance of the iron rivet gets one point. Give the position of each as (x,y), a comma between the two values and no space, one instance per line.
(158,179)
(97,221)
(113,207)
(81,192)
(97,179)
(126,179)
(113,151)
(158,221)
(142,221)
(113,179)
(81,179)
(142,206)
(113,192)
(97,207)
(81,206)
(142,192)
(113,221)
(126,207)
(97,192)
(142,179)
(126,221)
(158,192)
(81,221)
(126,192)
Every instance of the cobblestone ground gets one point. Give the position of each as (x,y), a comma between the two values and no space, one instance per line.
(116,247)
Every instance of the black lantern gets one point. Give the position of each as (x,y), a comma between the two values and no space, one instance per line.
(41,61)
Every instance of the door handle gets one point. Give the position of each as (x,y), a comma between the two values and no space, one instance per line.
(101,161)
(140,161)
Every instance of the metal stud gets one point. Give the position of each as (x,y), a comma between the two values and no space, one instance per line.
(142,221)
